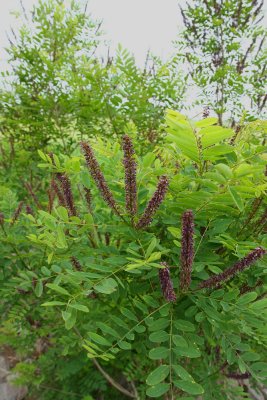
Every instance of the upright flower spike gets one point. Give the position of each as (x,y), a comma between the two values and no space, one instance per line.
(107,238)
(187,250)
(130,175)
(58,192)
(154,203)
(241,265)
(64,195)
(98,177)
(166,283)
(75,263)
(17,212)
(68,196)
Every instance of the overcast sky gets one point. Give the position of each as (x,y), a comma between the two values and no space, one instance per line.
(138,25)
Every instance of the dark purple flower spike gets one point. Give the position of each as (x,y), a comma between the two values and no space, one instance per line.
(154,203)
(67,192)
(187,250)
(75,263)
(166,283)
(241,265)
(130,175)
(98,177)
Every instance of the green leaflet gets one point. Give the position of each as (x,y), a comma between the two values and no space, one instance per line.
(158,390)
(189,387)
(99,339)
(181,133)
(206,122)
(107,286)
(107,329)
(214,134)
(159,324)
(128,314)
(62,213)
(184,325)
(159,337)
(159,353)
(190,352)
(259,305)
(53,304)
(39,288)
(71,319)
(215,152)
(246,298)
(79,307)
(58,289)
(236,198)
(158,375)
(124,345)
(179,341)
(182,373)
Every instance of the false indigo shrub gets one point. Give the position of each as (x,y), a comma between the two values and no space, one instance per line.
(154,277)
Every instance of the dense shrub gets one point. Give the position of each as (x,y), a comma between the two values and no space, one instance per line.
(153,266)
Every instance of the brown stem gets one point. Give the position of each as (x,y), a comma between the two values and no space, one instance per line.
(112,382)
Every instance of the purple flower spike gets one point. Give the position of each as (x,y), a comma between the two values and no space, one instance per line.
(187,251)
(58,192)
(68,196)
(130,175)
(166,283)
(154,203)
(230,272)
(98,177)
(75,263)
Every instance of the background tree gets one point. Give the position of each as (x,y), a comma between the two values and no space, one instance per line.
(60,89)
(44,56)
(224,44)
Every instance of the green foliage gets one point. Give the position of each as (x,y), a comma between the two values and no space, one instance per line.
(111,307)
(44,57)
(60,92)
(94,304)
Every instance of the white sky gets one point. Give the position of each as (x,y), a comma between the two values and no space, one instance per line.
(138,25)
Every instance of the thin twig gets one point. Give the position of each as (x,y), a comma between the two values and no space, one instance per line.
(112,382)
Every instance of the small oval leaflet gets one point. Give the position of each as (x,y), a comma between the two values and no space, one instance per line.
(158,375)
(158,390)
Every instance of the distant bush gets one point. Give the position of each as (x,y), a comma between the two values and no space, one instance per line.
(59,91)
